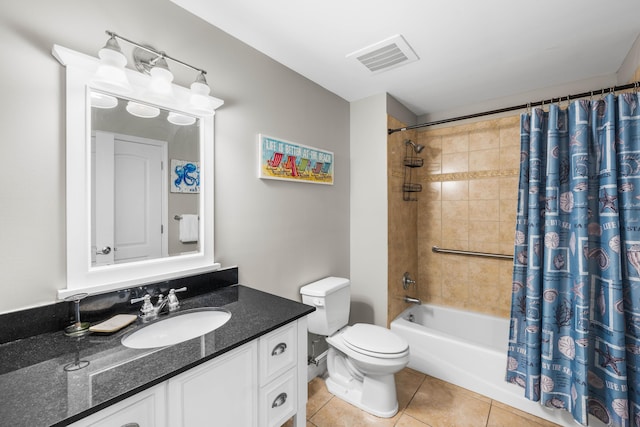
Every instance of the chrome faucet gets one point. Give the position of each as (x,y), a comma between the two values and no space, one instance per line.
(412,300)
(149,312)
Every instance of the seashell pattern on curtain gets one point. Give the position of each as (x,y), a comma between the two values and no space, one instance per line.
(575,315)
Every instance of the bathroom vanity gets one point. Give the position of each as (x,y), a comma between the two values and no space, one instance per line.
(249,372)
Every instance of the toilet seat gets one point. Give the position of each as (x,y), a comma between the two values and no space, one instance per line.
(375,341)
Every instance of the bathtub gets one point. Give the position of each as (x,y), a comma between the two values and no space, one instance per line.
(469,350)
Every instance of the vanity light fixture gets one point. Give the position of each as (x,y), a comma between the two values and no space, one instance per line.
(153,62)
(161,78)
(110,74)
(200,103)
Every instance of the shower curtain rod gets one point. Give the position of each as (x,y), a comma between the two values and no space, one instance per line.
(633,85)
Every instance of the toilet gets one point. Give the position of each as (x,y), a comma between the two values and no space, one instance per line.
(362,359)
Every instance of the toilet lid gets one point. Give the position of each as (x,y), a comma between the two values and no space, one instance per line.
(366,338)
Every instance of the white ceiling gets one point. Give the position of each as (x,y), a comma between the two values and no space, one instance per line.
(470,51)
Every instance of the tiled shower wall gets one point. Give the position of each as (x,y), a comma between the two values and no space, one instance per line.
(402,222)
(468,202)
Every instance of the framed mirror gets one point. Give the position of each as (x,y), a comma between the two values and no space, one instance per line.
(139,182)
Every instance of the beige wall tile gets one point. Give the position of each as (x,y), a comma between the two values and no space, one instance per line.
(484,231)
(455,229)
(484,139)
(457,210)
(484,189)
(484,210)
(455,190)
(472,209)
(509,157)
(508,211)
(510,136)
(432,154)
(509,187)
(456,162)
(484,160)
(456,143)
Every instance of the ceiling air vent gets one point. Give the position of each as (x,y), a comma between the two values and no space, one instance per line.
(385,55)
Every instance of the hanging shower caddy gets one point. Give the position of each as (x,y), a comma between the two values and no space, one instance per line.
(410,162)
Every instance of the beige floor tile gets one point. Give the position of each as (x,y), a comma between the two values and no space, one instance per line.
(408,382)
(289,423)
(338,413)
(497,409)
(439,404)
(407,421)
(318,396)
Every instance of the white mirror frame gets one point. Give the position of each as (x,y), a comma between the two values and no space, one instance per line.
(81,276)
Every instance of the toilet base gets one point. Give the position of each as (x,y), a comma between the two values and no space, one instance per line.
(373,394)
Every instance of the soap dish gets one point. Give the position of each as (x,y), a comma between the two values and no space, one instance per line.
(113,324)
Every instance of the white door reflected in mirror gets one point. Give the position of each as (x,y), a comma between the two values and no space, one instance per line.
(129,203)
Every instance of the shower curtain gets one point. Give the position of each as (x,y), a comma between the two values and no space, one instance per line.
(575,313)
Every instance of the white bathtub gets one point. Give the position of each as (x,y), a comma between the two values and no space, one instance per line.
(469,350)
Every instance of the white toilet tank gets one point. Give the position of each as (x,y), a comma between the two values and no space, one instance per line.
(331,297)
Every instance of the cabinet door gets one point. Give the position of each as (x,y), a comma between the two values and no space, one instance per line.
(220,393)
(145,409)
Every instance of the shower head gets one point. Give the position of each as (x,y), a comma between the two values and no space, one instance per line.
(416,147)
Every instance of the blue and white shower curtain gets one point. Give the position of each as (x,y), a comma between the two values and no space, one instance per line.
(575,313)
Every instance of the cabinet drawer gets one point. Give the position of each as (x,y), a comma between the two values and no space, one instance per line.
(278,400)
(145,409)
(277,352)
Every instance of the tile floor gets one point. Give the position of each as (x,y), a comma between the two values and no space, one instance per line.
(424,401)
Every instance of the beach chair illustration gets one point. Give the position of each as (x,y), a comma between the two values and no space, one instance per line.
(317,169)
(290,165)
(275,162)
(302,166)
(325,170)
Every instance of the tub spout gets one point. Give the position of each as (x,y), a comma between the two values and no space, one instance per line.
(412,300)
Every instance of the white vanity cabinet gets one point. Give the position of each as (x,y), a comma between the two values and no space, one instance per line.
(259,384)
(220,392)
(278,399)
(145,409)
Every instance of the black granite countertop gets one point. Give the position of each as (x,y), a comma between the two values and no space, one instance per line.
(37,391)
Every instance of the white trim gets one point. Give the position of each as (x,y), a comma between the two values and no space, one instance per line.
(81,276)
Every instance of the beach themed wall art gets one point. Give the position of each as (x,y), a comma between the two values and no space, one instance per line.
(286,160)
(185,176)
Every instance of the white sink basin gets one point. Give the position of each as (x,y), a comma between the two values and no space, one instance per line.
(177,328)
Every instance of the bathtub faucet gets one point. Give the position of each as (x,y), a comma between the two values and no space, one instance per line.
(412,300)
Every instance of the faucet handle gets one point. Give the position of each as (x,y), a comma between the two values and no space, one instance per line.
(173,299)
(147,307)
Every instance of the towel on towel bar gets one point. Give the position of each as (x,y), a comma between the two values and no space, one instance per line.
(189,228)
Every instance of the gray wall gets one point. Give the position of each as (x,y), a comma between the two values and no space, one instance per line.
(280,234)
